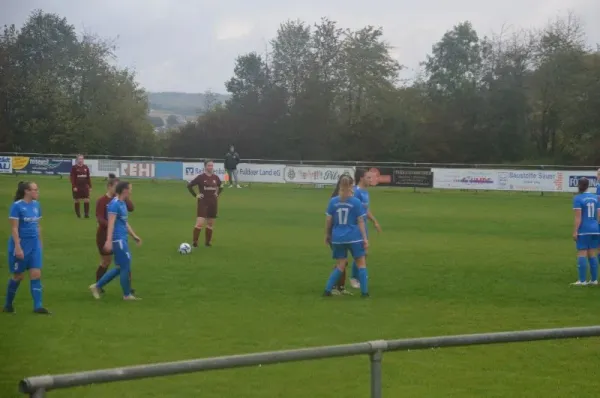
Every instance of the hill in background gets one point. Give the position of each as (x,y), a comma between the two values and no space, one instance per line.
(184,106)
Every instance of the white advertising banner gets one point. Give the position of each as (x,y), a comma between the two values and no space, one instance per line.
(268,173)
(530,180)
(191,170)
(465,179)
(327,175)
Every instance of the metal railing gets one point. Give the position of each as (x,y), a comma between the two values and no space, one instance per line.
(38,386)
(316,162)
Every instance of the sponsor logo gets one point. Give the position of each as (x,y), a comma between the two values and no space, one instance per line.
(20,162)
(140,170)
(5,164)
(471,180)
(574,180)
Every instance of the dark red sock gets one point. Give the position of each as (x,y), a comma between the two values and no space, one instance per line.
(78,209)
(196,236)
(208,235)
(86,209)
(100,272)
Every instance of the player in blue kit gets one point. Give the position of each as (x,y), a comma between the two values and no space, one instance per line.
(117,243)
(25,246)
(345,231)
(586,233)
(363,181)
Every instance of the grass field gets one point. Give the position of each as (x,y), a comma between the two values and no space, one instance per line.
(446,263)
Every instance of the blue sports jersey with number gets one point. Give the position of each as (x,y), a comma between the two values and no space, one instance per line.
(29,215)
(119,208)
(345,216)
(588,204)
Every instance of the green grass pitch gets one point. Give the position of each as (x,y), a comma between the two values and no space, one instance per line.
(446,263)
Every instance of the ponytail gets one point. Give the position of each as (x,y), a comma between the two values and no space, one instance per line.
(345,187)
(21,188)
(112,179)
(336,191)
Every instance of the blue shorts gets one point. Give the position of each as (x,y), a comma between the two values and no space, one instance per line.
(121,253)
(340,250)
(587,242)
(32,249)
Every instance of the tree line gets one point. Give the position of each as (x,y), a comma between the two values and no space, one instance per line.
(321,92)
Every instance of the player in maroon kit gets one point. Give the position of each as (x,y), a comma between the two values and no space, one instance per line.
(102,218)
(81,184)
(209,188)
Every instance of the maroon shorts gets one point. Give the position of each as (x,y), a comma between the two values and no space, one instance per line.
(82,193)
(207,210)
(100,241)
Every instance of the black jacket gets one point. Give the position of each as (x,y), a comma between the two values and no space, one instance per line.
(232,159)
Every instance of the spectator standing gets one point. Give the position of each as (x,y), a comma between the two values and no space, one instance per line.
(232,159)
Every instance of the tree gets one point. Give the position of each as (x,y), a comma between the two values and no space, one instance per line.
(172,121)
(61,94)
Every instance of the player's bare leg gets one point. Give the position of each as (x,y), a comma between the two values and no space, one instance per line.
(200,221)
(86,207)
(209,232)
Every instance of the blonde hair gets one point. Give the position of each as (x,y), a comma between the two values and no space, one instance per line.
(345,187)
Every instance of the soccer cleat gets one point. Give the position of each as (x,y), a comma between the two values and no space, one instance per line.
(131,297)
(195,244)
(355,283)
(593,283)
(365,295)
(95,291)
(41,311)
(207,245)
(239,186)
(345,292)
(335,292)
(9,310)
(327,294)
(579,283)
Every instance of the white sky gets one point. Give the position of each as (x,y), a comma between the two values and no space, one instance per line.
(191,45)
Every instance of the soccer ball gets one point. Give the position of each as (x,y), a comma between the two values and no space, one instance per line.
(185,248)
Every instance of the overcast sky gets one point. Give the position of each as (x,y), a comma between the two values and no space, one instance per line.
(191,45)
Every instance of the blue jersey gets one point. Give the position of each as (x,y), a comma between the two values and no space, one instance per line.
(362,195)
(345,216)
(29,215)
(588,204)
(119,208)
(598,189)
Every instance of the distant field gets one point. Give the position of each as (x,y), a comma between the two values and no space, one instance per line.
(447,262)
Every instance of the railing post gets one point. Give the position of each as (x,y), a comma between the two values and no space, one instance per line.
(378,346)
(41,393)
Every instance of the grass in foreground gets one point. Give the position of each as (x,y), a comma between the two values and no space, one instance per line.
(446,263)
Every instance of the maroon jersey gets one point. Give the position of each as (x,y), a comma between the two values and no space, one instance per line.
(80,176)
(208,185)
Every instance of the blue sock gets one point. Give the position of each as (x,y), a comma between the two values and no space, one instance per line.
(35,286)
(582,268)
(109,276)
(11,292)
(125,282)
(333,279)
(594,268)
(354,270)
(363,277)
